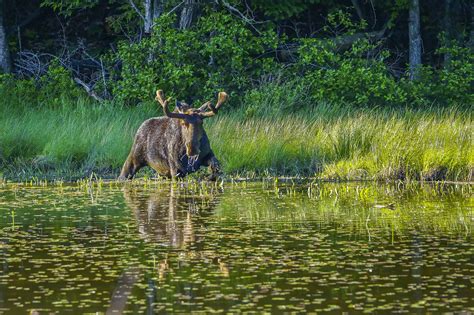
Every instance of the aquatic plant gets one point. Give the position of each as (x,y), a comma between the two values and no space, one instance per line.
(241,246)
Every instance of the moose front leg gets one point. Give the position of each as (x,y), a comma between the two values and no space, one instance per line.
(177,172)
(214,166)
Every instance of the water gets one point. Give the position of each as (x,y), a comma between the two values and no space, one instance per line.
(160,247)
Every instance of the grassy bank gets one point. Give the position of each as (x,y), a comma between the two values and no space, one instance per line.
(327,142)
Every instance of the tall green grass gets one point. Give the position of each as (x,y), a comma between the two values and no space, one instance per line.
(324,141)
(364,144)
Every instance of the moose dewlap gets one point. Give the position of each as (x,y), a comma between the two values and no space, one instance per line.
(174,145)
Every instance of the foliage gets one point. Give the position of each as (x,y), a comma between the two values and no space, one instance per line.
(356,76)
(283,9)
(56,85)
(360,75)
(240,46)
(68,7)
(456,79)
(220,52)
(52,89)
(348,77)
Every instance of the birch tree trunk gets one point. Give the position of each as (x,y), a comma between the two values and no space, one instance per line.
(187,14)
(415,39)
(5,65)
(148,23)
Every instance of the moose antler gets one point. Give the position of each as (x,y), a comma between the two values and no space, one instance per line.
(160,97)
(204,106)
(221,99)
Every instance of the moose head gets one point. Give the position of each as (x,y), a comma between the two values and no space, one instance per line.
(191,120)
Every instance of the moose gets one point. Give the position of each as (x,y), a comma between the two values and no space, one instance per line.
(174,145)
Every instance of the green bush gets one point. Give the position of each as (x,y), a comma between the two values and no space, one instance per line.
(16,92)
(219,52)
(452,84)
(348,77)
(355,75)
(56,86)
(359,75)
(456,79)
(52,89)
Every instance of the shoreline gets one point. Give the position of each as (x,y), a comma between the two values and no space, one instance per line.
(298,180)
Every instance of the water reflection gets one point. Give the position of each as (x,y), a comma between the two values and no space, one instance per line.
(158,217)
(166,217)
(257,247)
(172,217)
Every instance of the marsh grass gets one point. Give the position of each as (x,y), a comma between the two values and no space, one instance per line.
(329,142)
(429,144)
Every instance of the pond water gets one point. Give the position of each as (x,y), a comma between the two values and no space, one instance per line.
(148,247)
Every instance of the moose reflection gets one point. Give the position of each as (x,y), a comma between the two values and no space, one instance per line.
(167,218)
(160,219)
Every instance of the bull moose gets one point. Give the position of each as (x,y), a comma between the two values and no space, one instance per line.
(174,145)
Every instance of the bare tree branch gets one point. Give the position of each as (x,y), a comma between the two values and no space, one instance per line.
(242,16)
(137,10)
(88,89)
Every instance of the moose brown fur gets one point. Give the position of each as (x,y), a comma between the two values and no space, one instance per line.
(175,145)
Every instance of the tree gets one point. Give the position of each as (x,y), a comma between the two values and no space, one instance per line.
(414,33)
(187,14)
(148,18)
(153,10)
(4,52)
(471,35)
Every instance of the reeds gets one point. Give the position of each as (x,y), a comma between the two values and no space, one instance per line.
(327,142)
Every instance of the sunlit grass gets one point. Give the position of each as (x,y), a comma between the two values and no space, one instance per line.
(326,142)
(364,144)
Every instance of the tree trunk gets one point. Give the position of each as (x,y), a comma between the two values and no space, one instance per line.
(148,17)
(158,7)
(415,38)
(187,14)
(358,8)
(5,65)
(448,28)
(471,35)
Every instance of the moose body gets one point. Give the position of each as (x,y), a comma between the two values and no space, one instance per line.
(175,145)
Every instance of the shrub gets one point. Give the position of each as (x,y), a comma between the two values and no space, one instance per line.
(357,75)
(456,79)
(348,77)
(219,52)
(52,89)
(56,86)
